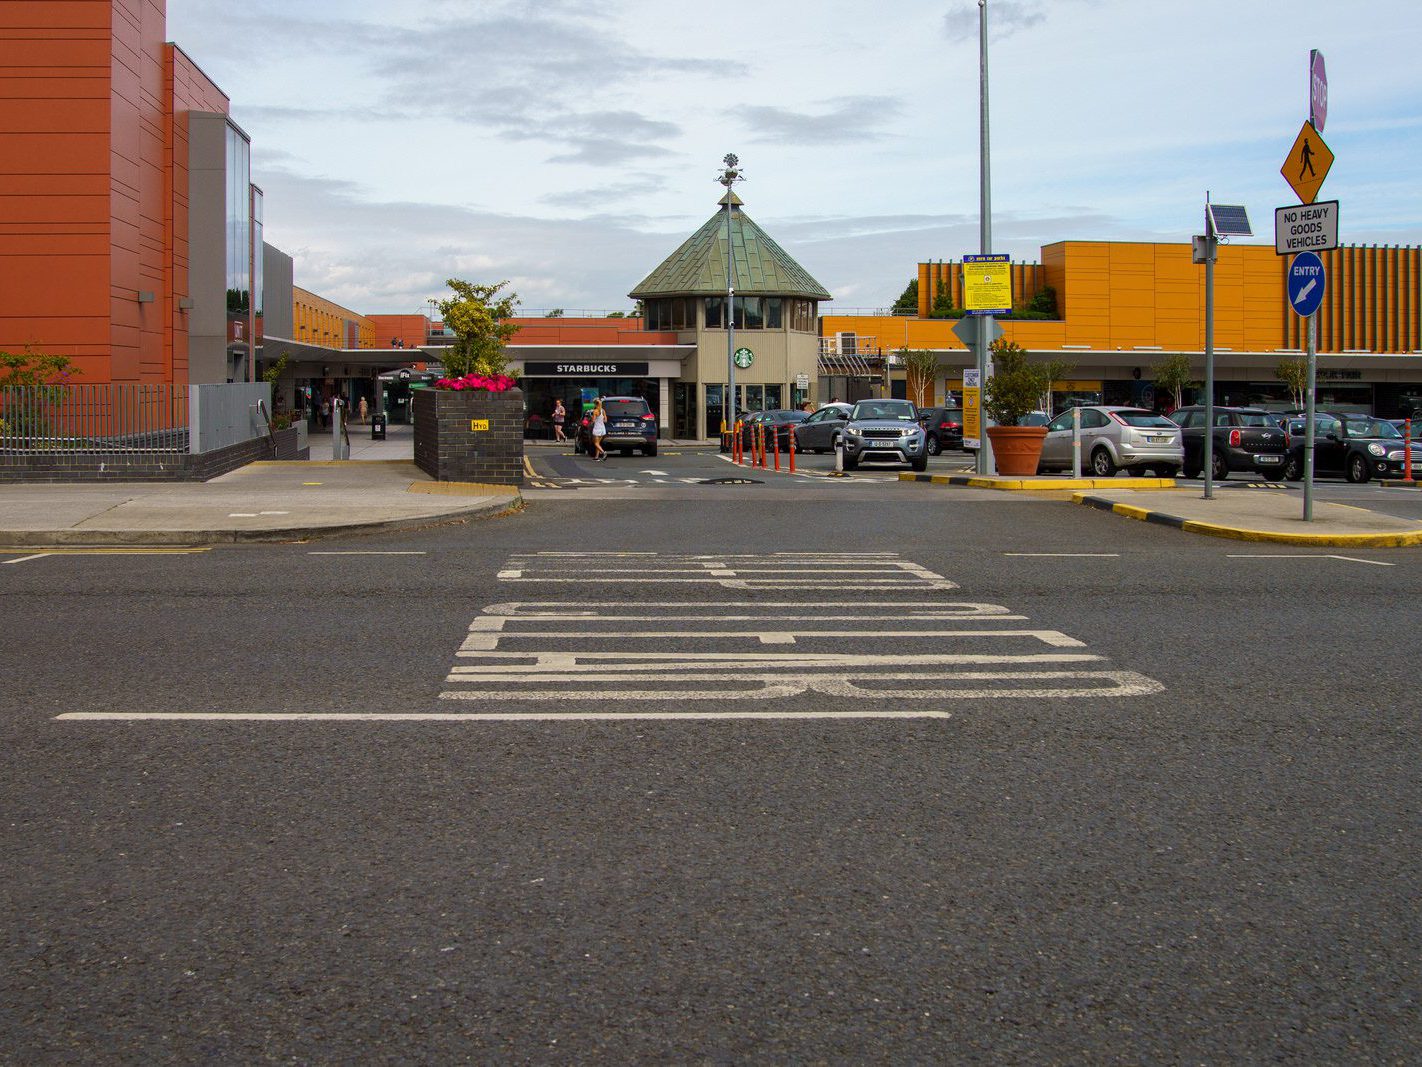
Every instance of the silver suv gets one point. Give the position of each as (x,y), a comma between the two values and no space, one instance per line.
(887,431)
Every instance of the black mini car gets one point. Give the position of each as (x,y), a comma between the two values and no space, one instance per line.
(1355,447)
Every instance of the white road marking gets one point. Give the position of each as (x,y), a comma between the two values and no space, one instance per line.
(365,553)
(241,514)
(487,637)
(1066,555)
(425,716)
(659,474)
(26,559)
(276,513)
(1308,555)
(798,571)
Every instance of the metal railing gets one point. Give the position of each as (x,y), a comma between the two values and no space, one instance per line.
(122,419)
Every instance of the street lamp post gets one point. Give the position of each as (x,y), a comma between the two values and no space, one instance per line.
(986,463)
(730,177)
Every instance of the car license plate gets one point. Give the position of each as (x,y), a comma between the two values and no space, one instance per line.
(1268,459)
(1157,440)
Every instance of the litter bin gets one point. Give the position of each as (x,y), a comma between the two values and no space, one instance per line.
(377,426)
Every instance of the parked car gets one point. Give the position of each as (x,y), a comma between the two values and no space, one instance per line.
(630,426)
(777,422)
(1245,439)
(1355,447)
(943,428)
(885,431)
(821,430)
(1113,438)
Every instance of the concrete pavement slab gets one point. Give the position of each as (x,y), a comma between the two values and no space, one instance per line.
(1261,515)
(273,501)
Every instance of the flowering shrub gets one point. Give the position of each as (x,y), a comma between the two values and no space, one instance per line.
(493,383)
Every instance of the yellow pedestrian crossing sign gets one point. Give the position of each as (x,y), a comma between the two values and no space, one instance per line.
(1307,164)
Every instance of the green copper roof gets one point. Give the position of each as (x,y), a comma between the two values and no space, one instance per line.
(698,267)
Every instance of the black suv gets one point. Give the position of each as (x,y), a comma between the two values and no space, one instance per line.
(1246,439)
(630,425)
(944,427)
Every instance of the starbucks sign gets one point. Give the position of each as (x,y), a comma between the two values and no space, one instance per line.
(744,357)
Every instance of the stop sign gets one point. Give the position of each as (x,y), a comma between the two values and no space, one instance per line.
(1317,90)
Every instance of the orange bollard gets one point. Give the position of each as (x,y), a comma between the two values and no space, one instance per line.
(1407,450)
(737,451)
(791,434)
(774,433)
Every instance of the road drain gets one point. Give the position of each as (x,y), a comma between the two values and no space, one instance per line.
(730,481)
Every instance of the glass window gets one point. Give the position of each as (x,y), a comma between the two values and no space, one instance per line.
(750,313)
(774,313)
(772,396)
(715,312)
(1061,422)
(1144,419)
(1091,419)
(714,393)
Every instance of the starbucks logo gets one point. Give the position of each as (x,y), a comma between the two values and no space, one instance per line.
(744,357)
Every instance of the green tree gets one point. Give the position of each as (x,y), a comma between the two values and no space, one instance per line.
(1294,374)
(554,313)
(1043,305)
(1173,376)
(30,368)
(1016,386)
(478,314)
(1055,370)
(943,307)
(920,368)
(907,303)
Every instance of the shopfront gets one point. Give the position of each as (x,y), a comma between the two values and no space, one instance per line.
(578,381)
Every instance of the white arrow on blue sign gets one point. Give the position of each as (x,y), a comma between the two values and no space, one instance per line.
(1306,283)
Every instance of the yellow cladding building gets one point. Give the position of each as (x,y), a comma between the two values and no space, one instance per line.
(1123,307)
(318,321)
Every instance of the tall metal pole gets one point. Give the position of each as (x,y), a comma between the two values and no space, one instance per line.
(986,465)
(1308,430)
(728,402)
(1211,245)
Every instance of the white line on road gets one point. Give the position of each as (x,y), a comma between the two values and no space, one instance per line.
(365,553)
(1066,555)
(26,559)
(422,716)
(1309,555)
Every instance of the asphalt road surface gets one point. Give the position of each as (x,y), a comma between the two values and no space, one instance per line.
(805,770)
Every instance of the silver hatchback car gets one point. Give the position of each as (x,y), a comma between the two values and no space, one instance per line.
(1115,437)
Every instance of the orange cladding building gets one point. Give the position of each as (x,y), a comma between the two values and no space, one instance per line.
(129,222)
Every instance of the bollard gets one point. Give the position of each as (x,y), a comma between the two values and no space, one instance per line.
(775,433)
(1407,450)
(839,456)
(791,442)
(760,445)
(1076,442)
(737,452)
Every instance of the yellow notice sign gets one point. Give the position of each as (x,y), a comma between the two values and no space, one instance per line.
(476,425)
(1307,164)
(972,410)
(987,284)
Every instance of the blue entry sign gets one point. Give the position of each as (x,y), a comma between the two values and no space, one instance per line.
(1306,283)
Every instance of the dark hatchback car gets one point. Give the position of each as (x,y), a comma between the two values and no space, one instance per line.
(1245,439)
(944,427)
(1351,446)
(631,426)
(773,426)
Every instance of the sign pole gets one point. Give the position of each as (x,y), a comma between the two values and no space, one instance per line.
(1309,405)
(1211,245)
(986,465)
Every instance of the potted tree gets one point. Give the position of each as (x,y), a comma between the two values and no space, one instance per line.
(1014,390)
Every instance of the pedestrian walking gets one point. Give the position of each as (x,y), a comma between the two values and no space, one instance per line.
(364,409)
(599,430)
(560,414)
(325,413)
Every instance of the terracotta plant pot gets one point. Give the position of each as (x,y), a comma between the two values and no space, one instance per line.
(1017,449)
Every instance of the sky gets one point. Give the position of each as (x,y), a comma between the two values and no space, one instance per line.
(569,147)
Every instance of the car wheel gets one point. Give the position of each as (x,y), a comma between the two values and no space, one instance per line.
(1293,469)
(1102,465)
(920,464)
(1219,467)
(1190,472)
(650,450)
(934,448)
(1357,468)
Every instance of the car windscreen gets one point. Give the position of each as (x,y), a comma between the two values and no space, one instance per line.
(626,407)
(1144,419)
(1256,418)
(884,409)
(1372,428)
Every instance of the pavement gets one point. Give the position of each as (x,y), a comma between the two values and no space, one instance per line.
(380,488)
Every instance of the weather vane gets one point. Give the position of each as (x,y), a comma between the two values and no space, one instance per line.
(733,170)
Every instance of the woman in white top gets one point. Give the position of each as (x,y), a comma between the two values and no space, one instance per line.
(599,430)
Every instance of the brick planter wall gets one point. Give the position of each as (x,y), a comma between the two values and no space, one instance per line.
(58,466)
(448,450)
